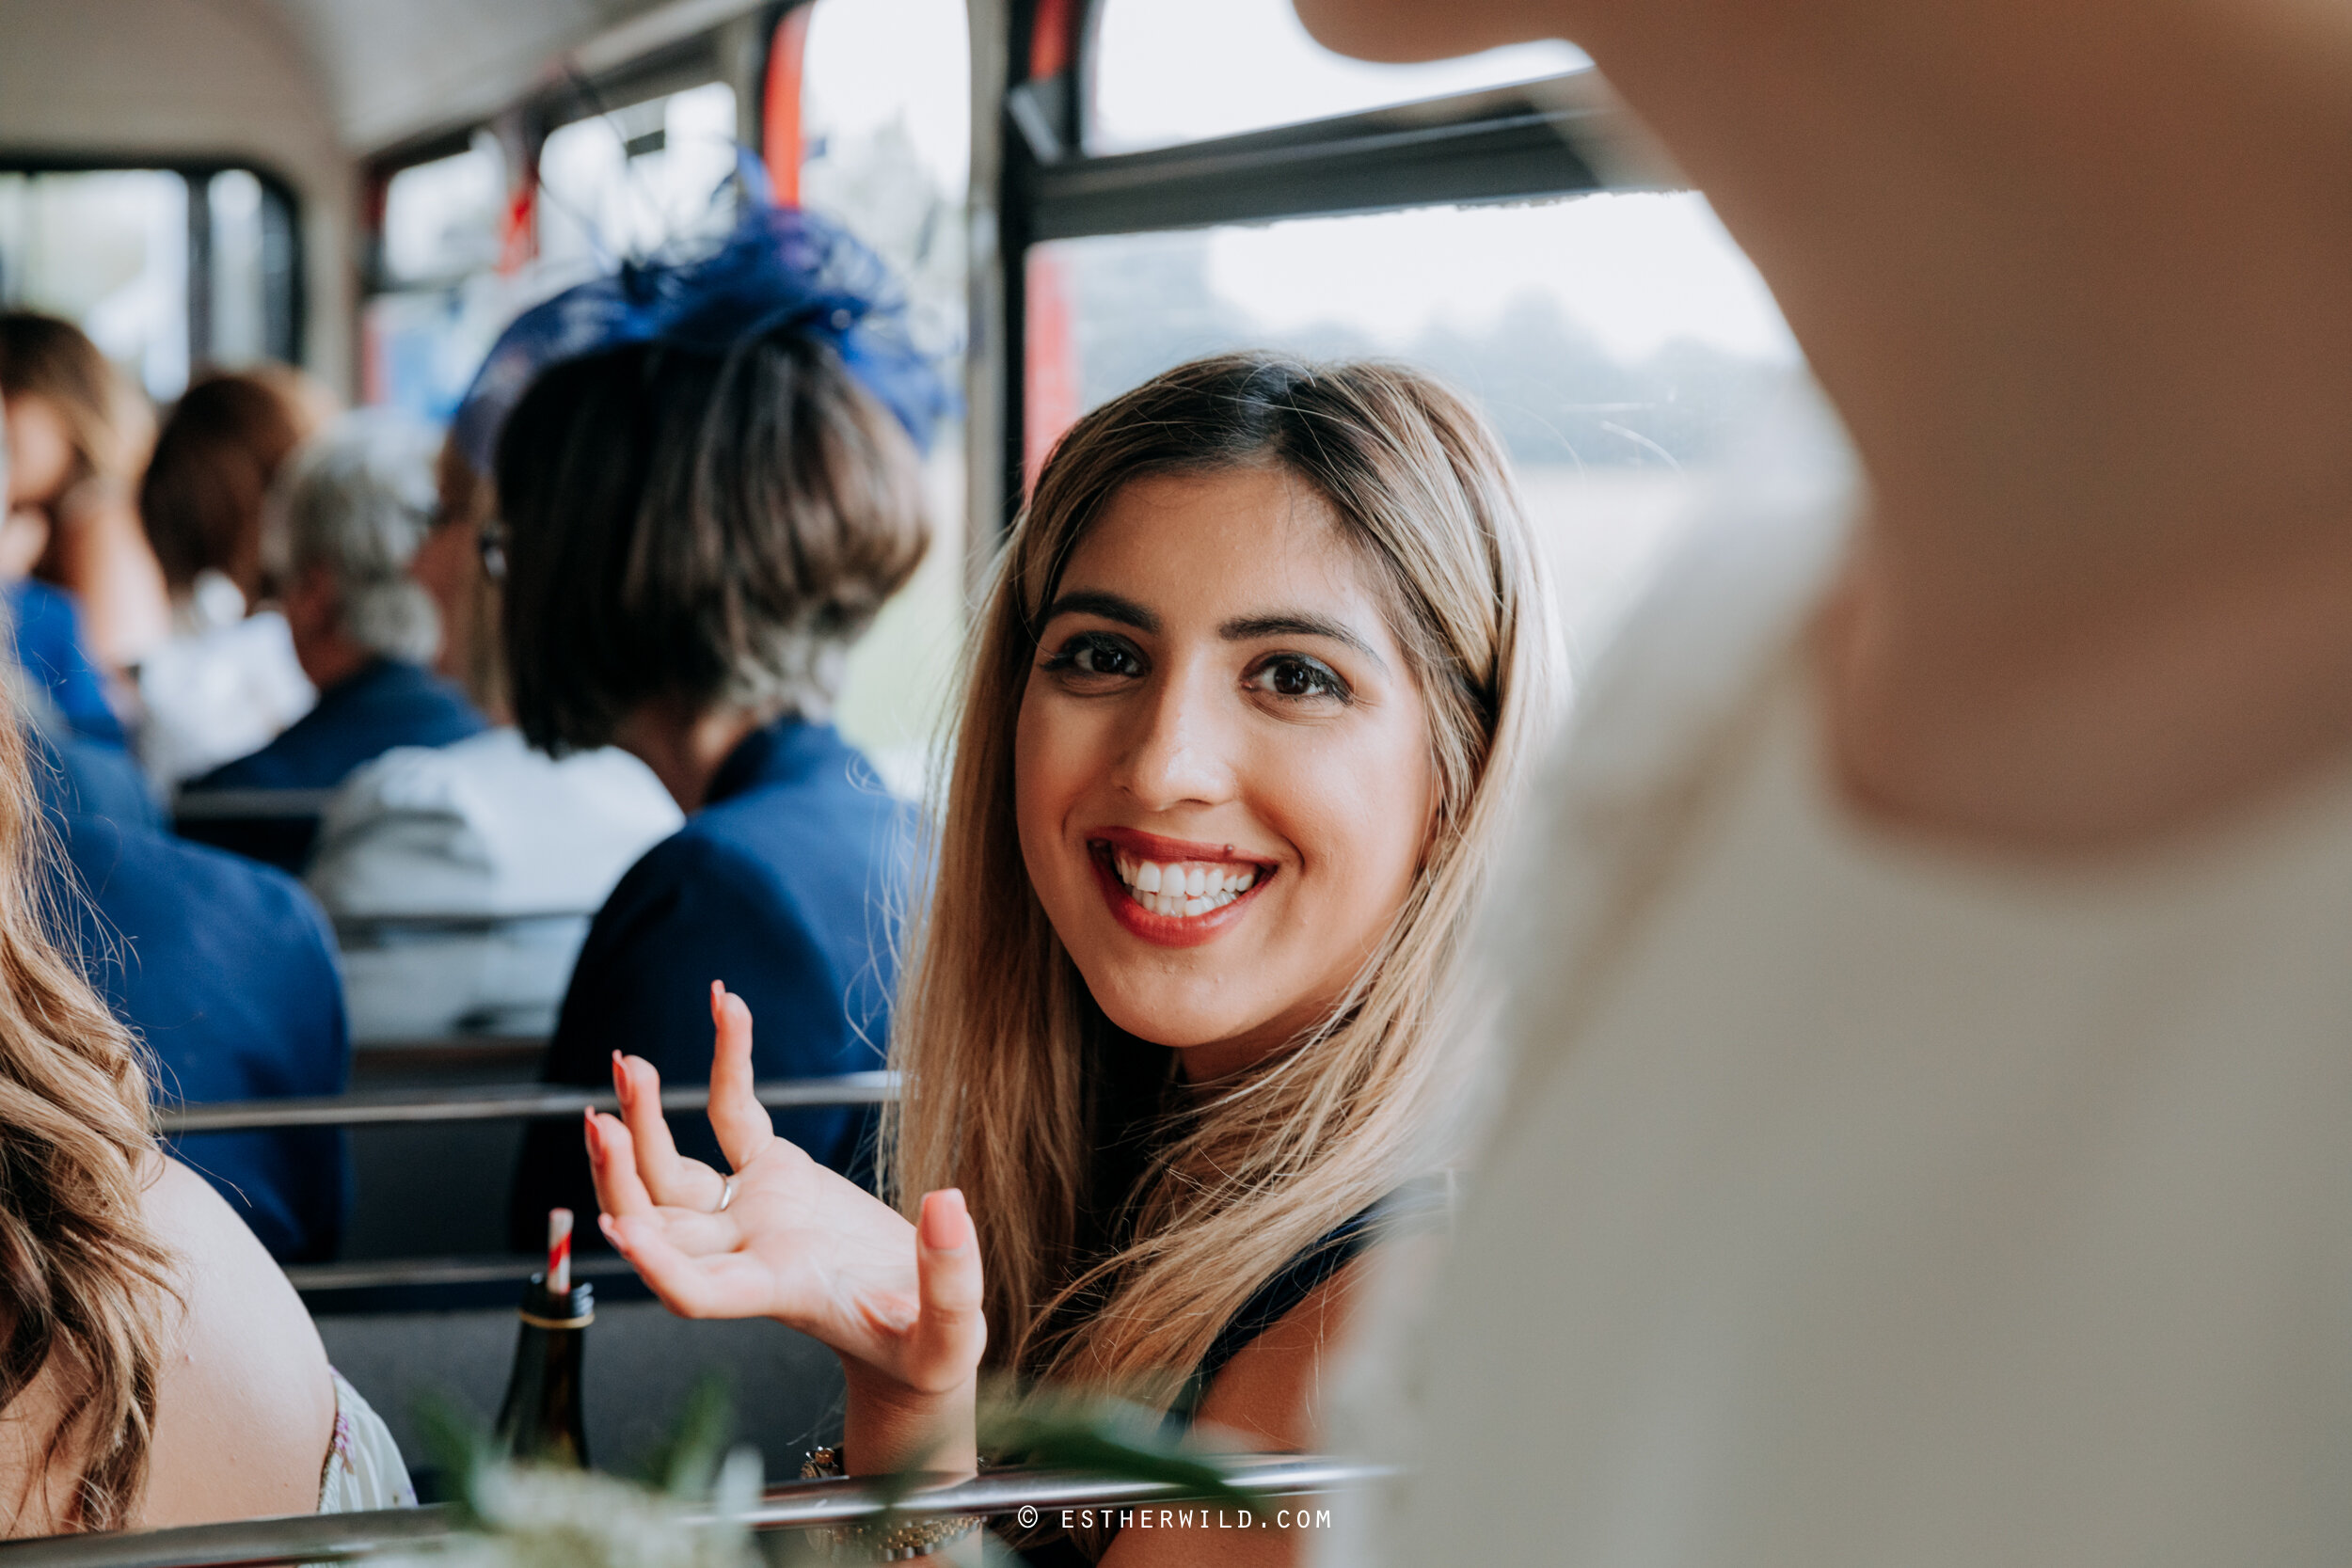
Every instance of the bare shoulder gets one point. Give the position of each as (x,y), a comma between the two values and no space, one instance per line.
(1270,1395)
(246,1407)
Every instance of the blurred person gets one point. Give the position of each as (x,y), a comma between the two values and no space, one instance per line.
(46,622)
(161,1370)
(486,828)
(81,433)
(357,501)
(1926,1131)
(227,972)
(45,625)
(450,565)
(1266,661)
(225,969)
(707,487)
(227,681)
(57,679)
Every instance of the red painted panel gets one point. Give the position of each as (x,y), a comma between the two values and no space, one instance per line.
(780,104)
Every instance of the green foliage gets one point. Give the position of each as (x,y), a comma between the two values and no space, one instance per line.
(1102,1436)
(460,1447)
(685,1464)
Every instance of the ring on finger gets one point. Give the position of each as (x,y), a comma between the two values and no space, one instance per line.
(726,1195)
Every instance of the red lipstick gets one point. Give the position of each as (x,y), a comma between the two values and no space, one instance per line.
(1166,930)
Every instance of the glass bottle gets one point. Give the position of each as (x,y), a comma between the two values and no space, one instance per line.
(541,1421)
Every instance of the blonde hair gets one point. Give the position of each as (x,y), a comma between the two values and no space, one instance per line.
(1004,1050)
(85,1282)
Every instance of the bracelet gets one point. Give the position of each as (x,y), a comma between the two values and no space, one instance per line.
(880,1541)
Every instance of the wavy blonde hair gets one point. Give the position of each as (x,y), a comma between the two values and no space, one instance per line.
(85,1282)
(1004,1050)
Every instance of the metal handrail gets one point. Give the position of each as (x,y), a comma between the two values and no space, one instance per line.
(377,1274)
(503,1103)
(246,805)
(335,1537)
(450,923)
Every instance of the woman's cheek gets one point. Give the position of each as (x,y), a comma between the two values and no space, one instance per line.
(1047,779)
(1361,813)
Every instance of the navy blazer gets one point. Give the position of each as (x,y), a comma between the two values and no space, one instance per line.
(227,969)
(787,885)
(48,647)
(390,702)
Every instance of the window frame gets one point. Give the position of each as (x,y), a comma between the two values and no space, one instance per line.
(285,303)
(755,53)
(1561,135)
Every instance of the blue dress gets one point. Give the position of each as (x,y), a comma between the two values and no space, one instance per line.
(227,969)
(788,885)
(390,702)
(49,646)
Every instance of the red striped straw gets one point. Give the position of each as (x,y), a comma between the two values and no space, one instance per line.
(558,1252)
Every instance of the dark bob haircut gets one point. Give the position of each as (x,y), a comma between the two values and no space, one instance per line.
(704,530)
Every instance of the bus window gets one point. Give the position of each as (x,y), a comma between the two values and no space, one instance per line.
(1617,341)
(886,96)
(462,258)
(1161,74)
(637,180)
(168,271)
(442,219)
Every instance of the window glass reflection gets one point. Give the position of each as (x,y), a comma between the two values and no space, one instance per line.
(1618,343)
(886,128)
(107,250)
(637,180)
(1162,74)
(442,219)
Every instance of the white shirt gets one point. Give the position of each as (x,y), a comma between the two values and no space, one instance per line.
(1854,1204)
(437,840)
(223,686)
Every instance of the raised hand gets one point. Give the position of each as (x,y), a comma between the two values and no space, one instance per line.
(794,1241)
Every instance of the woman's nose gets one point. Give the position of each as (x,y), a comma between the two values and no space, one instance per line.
(1179,751)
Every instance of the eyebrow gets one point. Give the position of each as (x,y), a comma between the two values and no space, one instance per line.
(1244,629)
(1111,606)
(1298,624)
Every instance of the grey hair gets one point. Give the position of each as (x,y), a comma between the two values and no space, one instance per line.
(358,500)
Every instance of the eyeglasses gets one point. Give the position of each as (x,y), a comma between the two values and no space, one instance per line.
(492,541)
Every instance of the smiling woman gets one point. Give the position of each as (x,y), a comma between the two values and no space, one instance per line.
(1259,677)
(1268,716)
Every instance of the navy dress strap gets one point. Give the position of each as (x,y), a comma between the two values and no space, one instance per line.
(1314,1266)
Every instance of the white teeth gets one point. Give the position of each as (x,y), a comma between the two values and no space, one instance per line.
(1184,890)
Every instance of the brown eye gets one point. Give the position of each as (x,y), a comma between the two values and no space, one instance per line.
(1094,654)
(1099,660)
(1299,678)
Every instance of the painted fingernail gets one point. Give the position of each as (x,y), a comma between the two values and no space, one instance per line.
(588,1130)
(945,1221)
(612,1233)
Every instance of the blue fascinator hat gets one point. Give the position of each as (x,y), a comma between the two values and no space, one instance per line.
(780,267)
